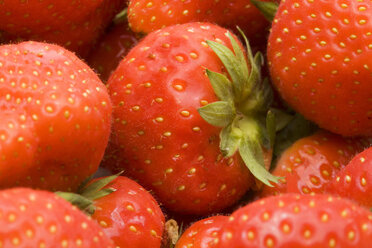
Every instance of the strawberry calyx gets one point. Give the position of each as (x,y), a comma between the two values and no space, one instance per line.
(268,9)
(173,232)
(249,123)
(88,193)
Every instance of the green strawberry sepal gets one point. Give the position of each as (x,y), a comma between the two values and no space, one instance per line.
(248,123)
(268,9)
(84,198)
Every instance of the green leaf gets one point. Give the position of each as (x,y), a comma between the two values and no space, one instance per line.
(268,9)
(248,46)
(231,64)
(77,200)
(91,191)
(255,75)
(230,138)
(218,114)
(84,183)
(240,56)
(271,127)
(264,95)
(282,118)
(296,129)
(221,85)
(102,193)
(251,152)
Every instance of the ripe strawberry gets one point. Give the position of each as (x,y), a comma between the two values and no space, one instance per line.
(319,54)
(354,181)
(202,234)
(312,162)
(31,218)
(111,49)
(130,216)
(74,25)
(146,16)
(300,221)
(55,117)
(164,142)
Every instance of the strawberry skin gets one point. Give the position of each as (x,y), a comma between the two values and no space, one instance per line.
(75,25)
(31,218)
(145,16)
(202,233)
(298,221)
(312,162)
(130,216)
(354,181)
(55,114)
(320,61)
(111,49)
(160,138)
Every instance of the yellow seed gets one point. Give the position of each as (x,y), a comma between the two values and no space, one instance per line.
(286,228)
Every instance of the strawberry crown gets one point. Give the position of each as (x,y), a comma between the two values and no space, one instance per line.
(249,124)
(88,192)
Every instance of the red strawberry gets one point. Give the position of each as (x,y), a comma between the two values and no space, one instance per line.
(312,162)
(354,181)
(130,216)
(146,16)
(300,221)
(75,25)
(111,49)
(202,234)
(55,117)
(320,61)
(30,218)
(163,141)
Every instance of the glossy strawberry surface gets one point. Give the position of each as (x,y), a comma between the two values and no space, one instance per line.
(32,218)
(130,216)
(146,16)
(354,180)
(319,54)
(55,117)
(311,163)
(159,137)
(300,221)
(74,24)
(203,233)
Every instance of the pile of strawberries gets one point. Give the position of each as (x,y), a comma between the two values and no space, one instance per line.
(218,124)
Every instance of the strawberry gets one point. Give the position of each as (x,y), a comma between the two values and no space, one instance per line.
(202,233)
(312,162)
(300,221)
(166,134)
(130,216)
(32,218)
(111,49)
(75,25)
(319,54)
(146,16)
(354,180)
(55,117)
